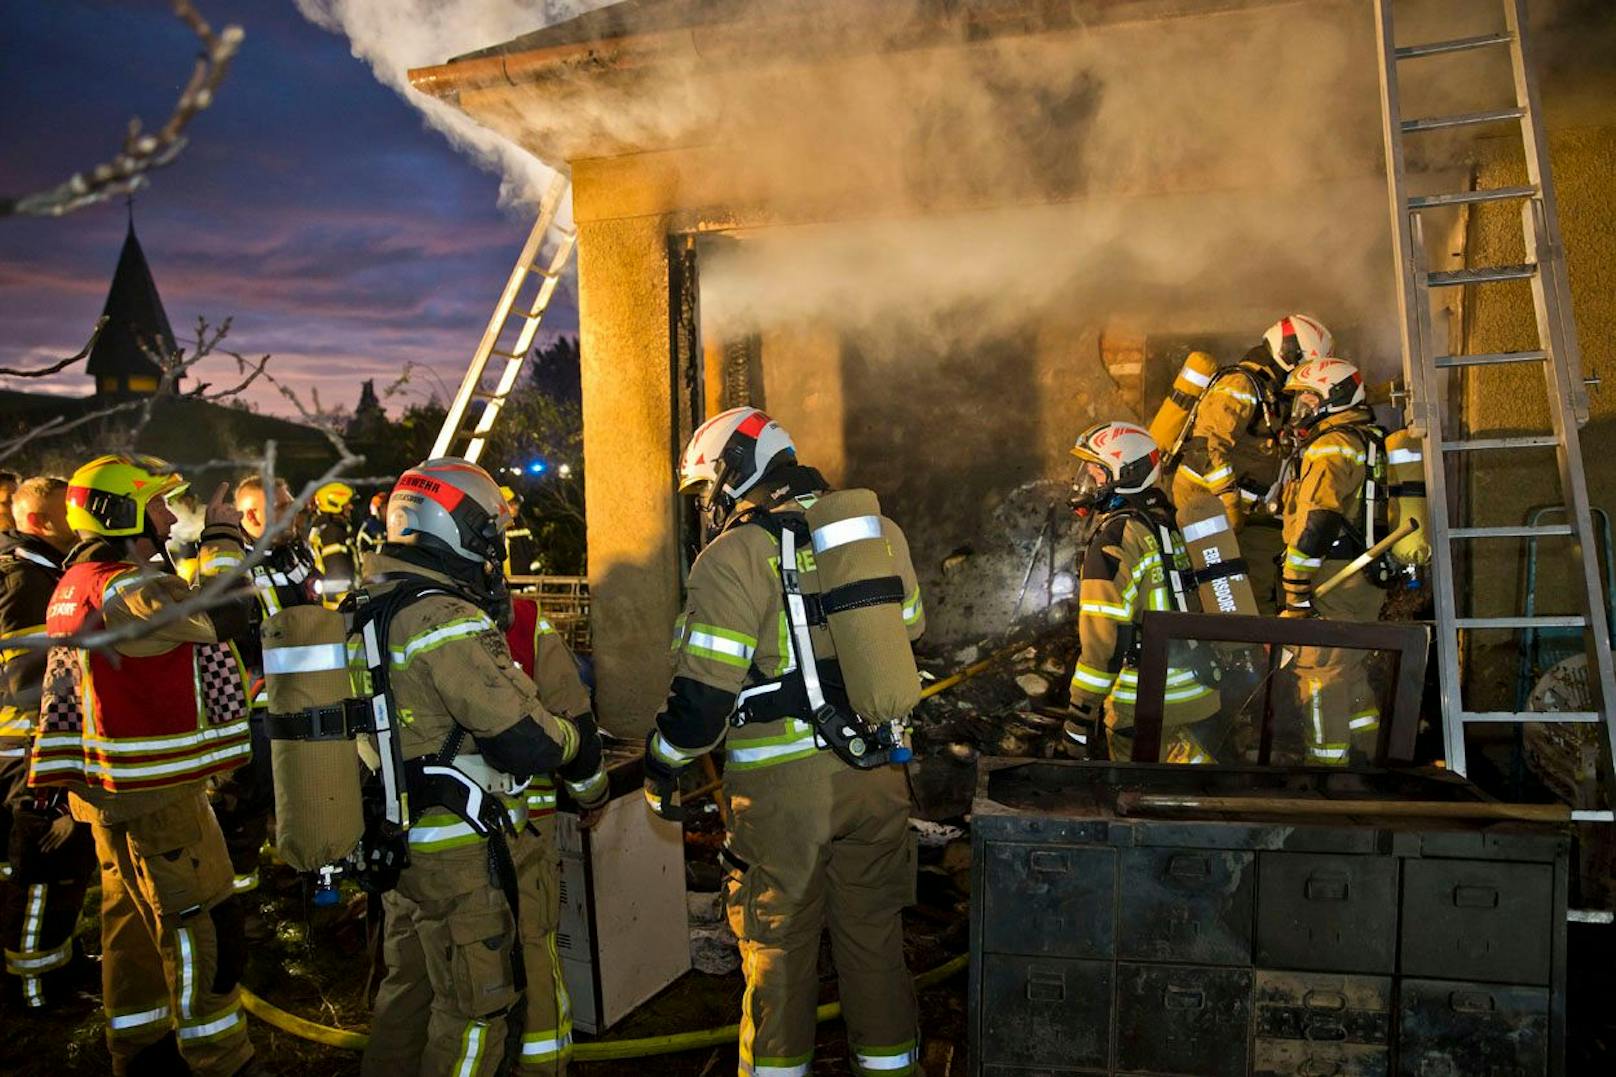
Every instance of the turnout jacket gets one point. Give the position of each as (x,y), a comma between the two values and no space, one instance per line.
(539,649)
(134,735)
(29,570)
(732,635)
(451,669)
(331,540)
(1231,450)
(1123,575)
(1324,502)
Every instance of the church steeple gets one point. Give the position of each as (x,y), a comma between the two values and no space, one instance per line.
(134,313)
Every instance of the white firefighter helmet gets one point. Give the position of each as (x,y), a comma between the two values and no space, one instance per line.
(450,507)
(1127,454)
(1323,387)
(1298,339)
(730,452)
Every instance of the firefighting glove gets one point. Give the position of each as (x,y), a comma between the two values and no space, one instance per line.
(661,785)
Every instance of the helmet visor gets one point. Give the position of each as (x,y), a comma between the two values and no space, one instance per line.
(1090,486)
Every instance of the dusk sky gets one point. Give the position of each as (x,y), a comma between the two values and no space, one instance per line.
(313,206)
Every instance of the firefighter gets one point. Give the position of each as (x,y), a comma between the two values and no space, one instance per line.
(460,940)
(372,529)
(46,862)
(332,540)
(538,648)
(1232,448)
(1134,561)
(1325,515)
(523,557)
(171,946)
(813,842)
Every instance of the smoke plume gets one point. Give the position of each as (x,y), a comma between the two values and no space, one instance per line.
(393,36)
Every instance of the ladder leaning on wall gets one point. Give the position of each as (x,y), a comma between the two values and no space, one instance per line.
(465,428)
(1556,354)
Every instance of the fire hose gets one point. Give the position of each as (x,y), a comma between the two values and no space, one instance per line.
(601,1051)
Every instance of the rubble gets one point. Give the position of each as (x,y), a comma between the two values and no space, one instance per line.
(712,944)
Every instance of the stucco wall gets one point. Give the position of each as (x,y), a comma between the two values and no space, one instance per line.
(1500,401)
(633,566)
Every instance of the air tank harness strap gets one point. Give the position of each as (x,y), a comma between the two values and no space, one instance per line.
(838,728)
(434,782)
(336,721)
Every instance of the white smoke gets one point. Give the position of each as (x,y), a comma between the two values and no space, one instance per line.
(393,36)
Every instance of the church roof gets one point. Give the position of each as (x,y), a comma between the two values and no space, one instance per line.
(134,313)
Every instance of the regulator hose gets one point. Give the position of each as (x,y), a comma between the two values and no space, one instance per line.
(600,1051)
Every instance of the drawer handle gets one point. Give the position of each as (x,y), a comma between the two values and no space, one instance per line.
(1184,998)
(1189,866)
(1046,986)
(1049,862)
(1324,1000)
(1326,888)
(1314,1067)
(1324,1031)
(1472,1002)
(1475,897)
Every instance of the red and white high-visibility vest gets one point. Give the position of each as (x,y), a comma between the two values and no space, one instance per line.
(122,723)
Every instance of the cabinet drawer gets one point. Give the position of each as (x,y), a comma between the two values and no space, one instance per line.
(1052,900)
(1477,920)
(1450,1029)
(1186,905)
(1183,1019)
(1309,1024)
(1336,913)
(1045,1012)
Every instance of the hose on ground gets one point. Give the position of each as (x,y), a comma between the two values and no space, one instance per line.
(599,1051)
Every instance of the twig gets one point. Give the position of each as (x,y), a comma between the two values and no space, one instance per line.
(61,365)
(142,153)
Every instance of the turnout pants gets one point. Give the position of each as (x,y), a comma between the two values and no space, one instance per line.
(449,1001)
(815,844)
(1339,713)
(171,948)
(547,1022)
(243,802)
(41,900)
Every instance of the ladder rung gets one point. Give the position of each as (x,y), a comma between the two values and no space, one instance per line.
(1484,275)
(1511,531)
(1469,119)
(543,271)
(1446,362)
(512,356)
(485,394)
(1461,44)
(1539,441)
(1536,621)
(1530,716)
(1464,198)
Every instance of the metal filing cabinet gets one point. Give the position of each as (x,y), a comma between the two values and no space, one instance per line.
(1176,946)
(623,933)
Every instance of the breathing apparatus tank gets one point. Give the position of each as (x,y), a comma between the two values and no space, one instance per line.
(1222,580)
(1172,418)
(319,818)
(1405,473)
(862,597)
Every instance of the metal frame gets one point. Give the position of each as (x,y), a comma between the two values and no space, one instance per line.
(1557,353)
(458,423)
(1408,642)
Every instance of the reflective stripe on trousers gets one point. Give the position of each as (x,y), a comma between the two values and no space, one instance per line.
(472,1042)
(899,1059)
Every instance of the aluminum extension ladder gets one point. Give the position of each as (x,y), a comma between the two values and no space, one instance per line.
(465,429)
(1556,353)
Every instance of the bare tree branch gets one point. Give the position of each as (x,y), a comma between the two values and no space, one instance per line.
(60,365)
(142,153)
